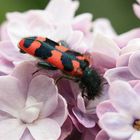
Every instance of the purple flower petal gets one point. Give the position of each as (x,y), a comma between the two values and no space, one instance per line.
(132,46)
(4,115)
(104,107)
(61,112)
(6,66)
(124,98)
(10,52)
(46,93)
(45,129)
(87,120)
(103,26)
(64,9)
(133,64)
(116,125)
(83,22)
(104,52)
(24,72)
(11,91)
(119,73)
(137,87)
(62,32)
(135,136)
(105,45)
(11,129)
(123,60)
(3,32)
(81,103)
(27,135)
(123,39)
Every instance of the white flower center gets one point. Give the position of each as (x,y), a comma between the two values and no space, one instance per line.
(30,112)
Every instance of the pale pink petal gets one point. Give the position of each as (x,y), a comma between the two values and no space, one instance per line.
(10,52)
(15,16)
(81,103)
(11,91)
(33,20)
(4,115)
(40,25)
(137,87)
(6,66)
(61,112)
(100,60)
(136,9)
(24,72)
(66,129)
(132,46)
(104,26)
(138,1)
(124,98)
(46,93)
(105,45)
(62,32)
(63,10)
(3,32)
(123,60)
(133,83)
(82,22)
(124,38)
(133,64)
(76,42)
(104,52)
(13,31)
(104,107)
(135,136)
(45,129)
(11,129)
(119,73)
(27,135)
(116,125)
(85,119)
(75,38)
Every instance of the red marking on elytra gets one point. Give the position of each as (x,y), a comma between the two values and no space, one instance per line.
(55,59)
(77,70)
(32,48)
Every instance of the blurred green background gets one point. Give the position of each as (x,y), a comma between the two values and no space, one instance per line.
(119,12)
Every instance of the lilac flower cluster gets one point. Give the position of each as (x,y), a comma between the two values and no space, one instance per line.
(33,107)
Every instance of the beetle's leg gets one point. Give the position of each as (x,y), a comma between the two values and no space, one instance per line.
(22,51)
(66,77)
(37,71)
(44,65)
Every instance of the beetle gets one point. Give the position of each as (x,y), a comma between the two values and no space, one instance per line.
(74,65)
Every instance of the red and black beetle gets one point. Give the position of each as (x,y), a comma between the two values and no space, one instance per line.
(75,66)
